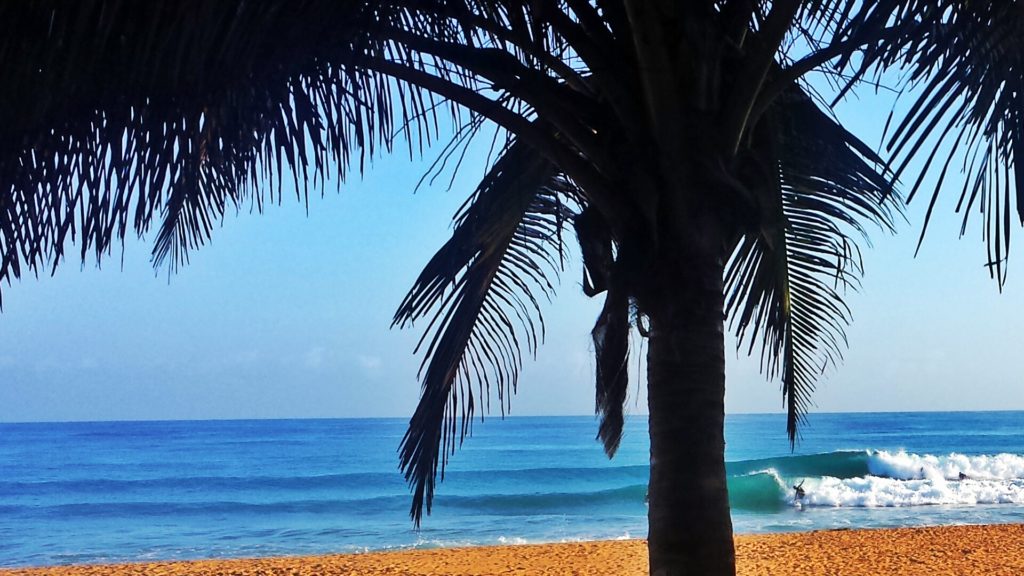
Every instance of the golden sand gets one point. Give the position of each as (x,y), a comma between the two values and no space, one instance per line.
(959,550)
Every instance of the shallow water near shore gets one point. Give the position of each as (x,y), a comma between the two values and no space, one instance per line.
(127,491)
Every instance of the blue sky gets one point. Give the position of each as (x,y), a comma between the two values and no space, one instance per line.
(285,315)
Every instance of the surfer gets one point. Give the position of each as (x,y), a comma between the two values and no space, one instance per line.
(799,490)
(963,476)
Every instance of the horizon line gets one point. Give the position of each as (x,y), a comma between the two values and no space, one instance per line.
(481,419)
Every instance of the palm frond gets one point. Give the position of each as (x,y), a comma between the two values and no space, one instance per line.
(964,61)
(786,280)
(480,293)
(611,331)
(180,111)
(611,349)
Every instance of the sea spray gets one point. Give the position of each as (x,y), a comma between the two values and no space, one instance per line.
(906,466)
(876,491)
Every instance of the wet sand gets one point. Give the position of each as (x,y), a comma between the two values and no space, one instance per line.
(960,550)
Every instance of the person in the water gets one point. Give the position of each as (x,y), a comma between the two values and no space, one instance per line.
(963,476)
(799,490)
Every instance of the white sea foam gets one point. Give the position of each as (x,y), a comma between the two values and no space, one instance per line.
(904,466)
(874,491)
(898,479)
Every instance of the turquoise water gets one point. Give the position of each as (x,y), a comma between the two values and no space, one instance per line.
(116,491)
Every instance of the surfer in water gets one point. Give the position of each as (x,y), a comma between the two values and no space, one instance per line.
(799,491)
(964,476)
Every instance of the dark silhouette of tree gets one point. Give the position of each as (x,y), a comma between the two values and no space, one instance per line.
(703,177)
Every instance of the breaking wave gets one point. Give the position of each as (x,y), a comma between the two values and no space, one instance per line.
(877,479)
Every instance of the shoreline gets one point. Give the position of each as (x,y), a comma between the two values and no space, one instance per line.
(966,550)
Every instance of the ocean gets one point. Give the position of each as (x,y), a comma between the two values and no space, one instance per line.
(96,492)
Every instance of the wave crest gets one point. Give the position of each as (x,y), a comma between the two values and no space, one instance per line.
(905,466)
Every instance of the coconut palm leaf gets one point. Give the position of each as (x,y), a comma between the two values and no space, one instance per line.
(964,64)
(480,294)
(611,350)
(785,281)
(181,111)
(611,331)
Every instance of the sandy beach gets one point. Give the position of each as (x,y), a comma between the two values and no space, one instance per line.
(960,550)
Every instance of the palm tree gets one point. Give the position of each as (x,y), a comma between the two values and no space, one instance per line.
(704,177)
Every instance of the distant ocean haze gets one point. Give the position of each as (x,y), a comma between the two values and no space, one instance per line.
(124,491)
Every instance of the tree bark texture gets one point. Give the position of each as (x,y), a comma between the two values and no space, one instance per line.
(689,522)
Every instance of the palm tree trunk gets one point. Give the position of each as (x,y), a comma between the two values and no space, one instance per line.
(689,522)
